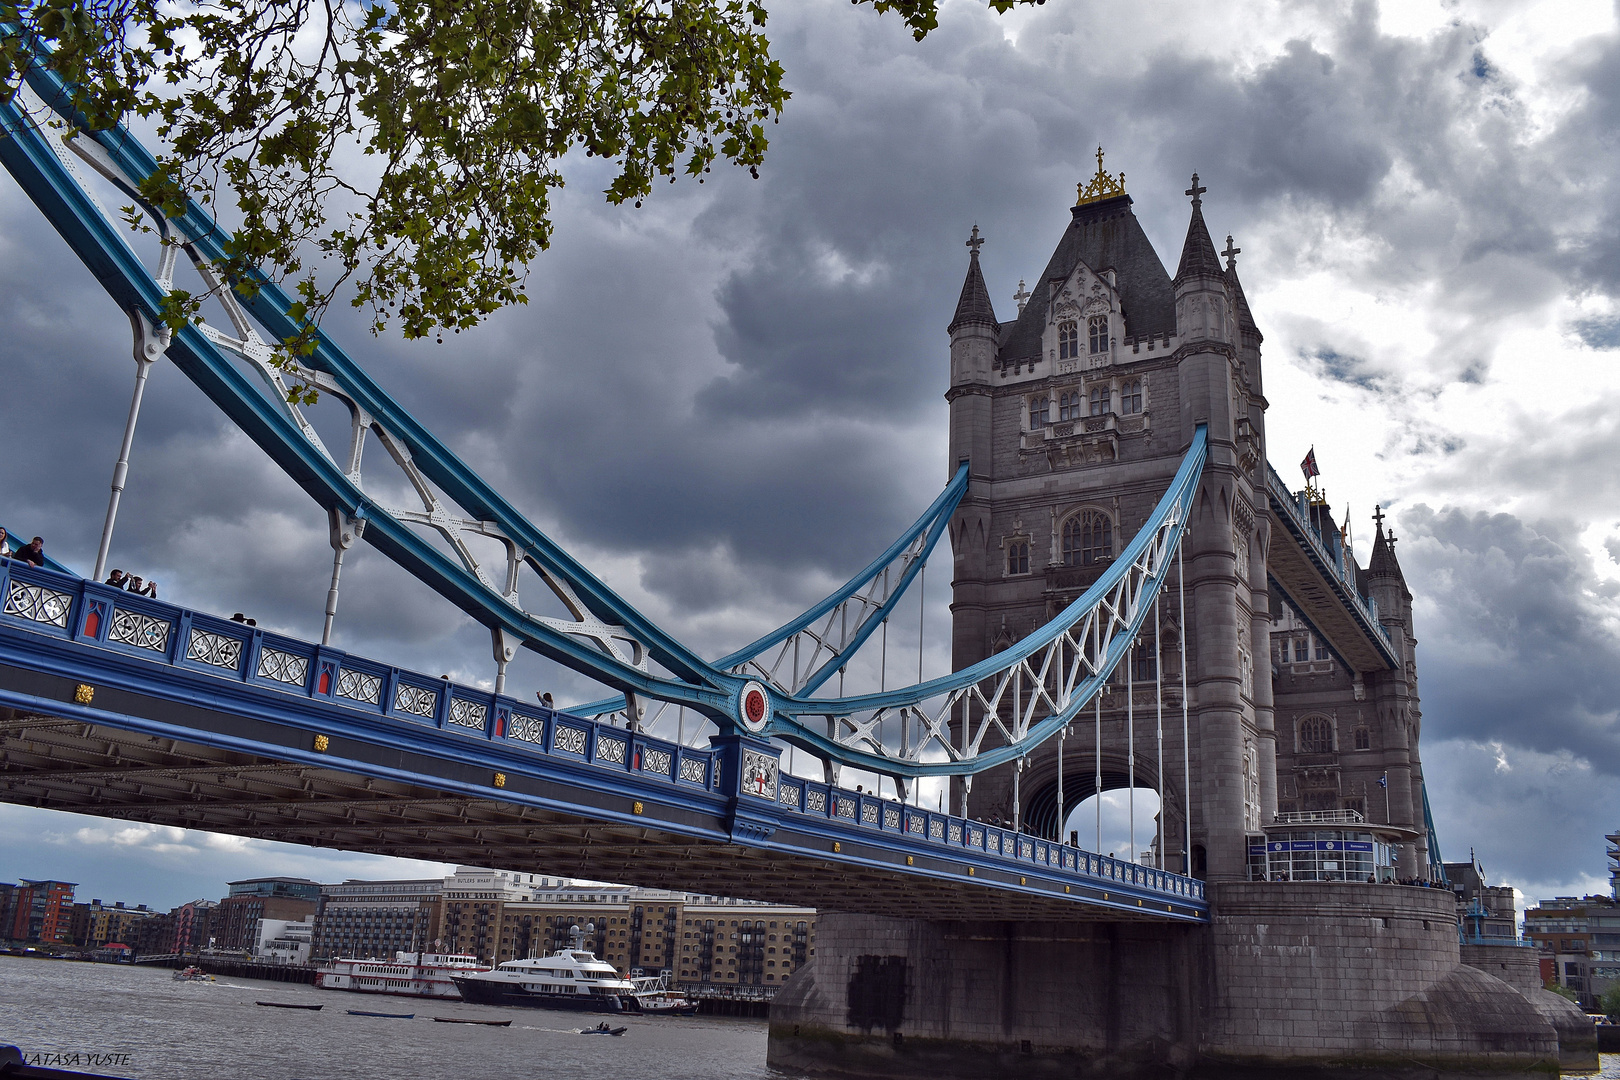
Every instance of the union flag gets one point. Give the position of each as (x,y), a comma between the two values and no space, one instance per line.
(1308,466)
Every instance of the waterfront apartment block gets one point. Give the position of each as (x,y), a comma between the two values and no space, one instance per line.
(39,911)
(377,918)
(236,920)
(1581,937)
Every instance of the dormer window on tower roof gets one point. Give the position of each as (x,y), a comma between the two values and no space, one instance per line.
(1099,333)
(1069,340)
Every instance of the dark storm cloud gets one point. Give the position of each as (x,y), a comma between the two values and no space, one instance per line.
(1516,634)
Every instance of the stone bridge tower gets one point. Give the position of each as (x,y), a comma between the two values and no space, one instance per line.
(1073,417)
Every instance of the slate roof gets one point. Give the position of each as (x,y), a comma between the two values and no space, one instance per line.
(974,307)
(1198,253)
(1383,562)
(1104,235)
(1245,316)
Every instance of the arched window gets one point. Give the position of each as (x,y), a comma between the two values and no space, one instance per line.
(1130,397)
(1069,406)
(1040,412)
(1018,557)
(1315,735)
(1099,333)
(1088,538)
(1101,398)
(1068,340)
(1363,739)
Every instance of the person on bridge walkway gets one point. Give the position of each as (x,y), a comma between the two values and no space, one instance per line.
(33,552)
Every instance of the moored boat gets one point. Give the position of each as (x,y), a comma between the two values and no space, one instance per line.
(654,997)
(289,1005)
(464,1020)
(571,978)
(410,974)
(385,1016)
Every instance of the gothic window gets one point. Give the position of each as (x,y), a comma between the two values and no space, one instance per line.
(1040,412)
(1018,557)
(1321,649)
(1069,406)
(1144,664)
(1099,333)
(1088,538)
(1363,739)
(1302,649)
(1101,398)
(1315,735)
(1069,340)
(1130,398)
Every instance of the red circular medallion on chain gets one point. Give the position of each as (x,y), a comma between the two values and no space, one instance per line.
(756,706)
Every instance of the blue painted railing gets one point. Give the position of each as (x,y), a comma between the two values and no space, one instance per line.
(193,649)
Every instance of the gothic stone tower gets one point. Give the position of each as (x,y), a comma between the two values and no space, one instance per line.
(1073,418)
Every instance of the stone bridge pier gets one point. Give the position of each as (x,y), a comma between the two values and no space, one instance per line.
(1298,980)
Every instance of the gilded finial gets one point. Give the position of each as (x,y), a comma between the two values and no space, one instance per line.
(1102,186)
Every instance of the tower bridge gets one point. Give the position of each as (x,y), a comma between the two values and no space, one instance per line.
(1132,584)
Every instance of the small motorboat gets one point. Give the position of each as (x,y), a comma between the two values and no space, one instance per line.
(461,1020)
(289,1005)
(603,1029)
(192,974)
(385,1016)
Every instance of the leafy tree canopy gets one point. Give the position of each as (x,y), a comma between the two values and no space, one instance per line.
(410,147)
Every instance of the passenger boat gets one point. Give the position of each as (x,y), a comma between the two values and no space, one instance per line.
(192,974)
(571,978)
(411,974)
(654,997)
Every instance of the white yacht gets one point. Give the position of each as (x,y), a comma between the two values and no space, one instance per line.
(571,978)
(411,974)
(654,997)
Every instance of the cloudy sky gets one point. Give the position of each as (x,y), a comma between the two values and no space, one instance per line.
(726,401)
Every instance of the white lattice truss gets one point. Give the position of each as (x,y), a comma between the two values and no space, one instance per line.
(1006,705)
(805,660)
(245,342)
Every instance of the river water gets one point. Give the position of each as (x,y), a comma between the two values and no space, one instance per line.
(140,1023)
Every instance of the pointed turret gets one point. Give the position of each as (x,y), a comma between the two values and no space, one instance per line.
(974,307)
(1240,303)
(1198,253)
(1383,562)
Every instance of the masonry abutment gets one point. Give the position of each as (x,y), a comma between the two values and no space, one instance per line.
(1291,979)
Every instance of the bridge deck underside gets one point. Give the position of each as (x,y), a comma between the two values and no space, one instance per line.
(1322,598)
(67,764)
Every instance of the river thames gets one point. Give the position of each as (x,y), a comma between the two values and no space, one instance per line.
(140,1023)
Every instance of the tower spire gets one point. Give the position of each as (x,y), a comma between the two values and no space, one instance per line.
(1198,253)
(973,308)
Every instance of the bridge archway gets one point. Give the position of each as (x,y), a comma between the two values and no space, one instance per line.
(1041,816)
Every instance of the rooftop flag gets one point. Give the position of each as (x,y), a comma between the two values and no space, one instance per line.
(1308,466)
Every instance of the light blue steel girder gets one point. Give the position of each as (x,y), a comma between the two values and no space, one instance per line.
(875,596)
(102,248)
(1067,663)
